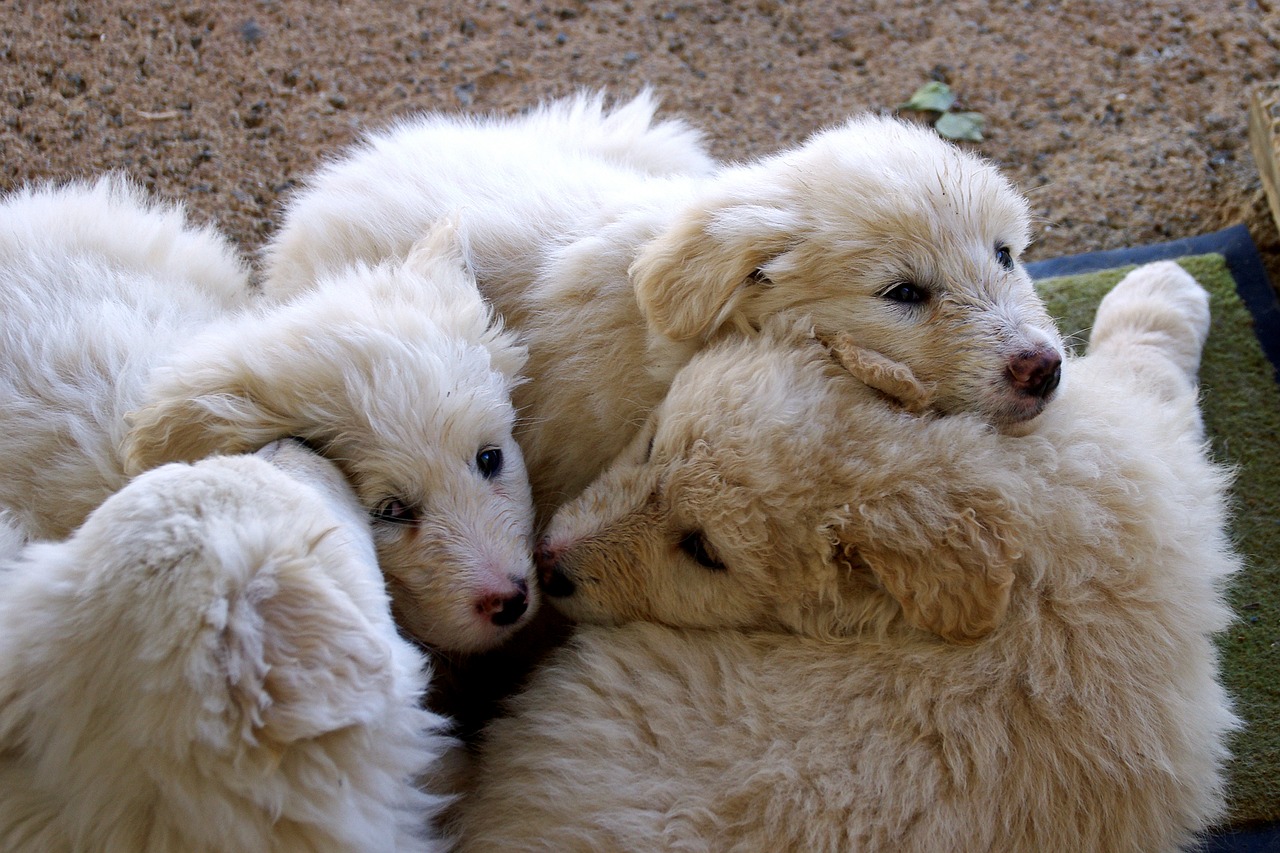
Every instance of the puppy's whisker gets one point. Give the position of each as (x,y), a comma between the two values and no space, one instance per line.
(529,420)
(1077,339)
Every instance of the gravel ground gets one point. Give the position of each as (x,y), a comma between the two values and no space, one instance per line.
(1125,123)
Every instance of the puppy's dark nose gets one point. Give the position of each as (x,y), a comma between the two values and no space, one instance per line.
(508,610)
(555,583)
(1036,373)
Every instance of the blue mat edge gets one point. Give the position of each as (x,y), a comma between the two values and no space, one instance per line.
(1233,243)
(1245,265)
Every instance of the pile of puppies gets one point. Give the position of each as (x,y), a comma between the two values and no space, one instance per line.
(851,572)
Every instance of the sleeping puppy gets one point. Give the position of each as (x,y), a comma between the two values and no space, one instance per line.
(126,341)
(773,490)
(209,664)
(616,272)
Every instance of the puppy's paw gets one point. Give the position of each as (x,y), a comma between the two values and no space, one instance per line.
(891,378)
(1157,311)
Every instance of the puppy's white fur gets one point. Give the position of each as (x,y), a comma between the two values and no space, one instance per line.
(615,273)
(814,713)
(125,343)
(209,664)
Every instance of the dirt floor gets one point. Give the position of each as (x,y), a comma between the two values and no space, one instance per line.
(1126,123)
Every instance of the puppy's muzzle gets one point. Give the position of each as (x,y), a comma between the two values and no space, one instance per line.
(555,582)
(1036,373)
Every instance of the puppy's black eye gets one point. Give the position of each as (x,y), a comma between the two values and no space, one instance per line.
(695,547)
(1005,257)
(395,511)
(648,452)
(906,292)
(758,276)
(489,462)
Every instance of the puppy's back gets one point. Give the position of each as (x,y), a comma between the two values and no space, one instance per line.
(112,225)
(95,280)
(518,186)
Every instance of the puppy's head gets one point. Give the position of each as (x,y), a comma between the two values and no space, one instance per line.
(401,376)
(772,490)
(881,230)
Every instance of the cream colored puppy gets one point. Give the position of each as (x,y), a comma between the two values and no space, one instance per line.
(615,275)
(830,544)
(123,346)
(209,664)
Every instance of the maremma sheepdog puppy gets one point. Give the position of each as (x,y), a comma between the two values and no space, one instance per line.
(127,341)
(617,248)
(209,664)
(788,565)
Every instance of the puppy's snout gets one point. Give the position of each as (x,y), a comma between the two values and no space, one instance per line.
(554,582)
(1036,373)
(507,609)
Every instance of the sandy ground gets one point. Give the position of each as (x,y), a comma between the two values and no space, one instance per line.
(1126,123)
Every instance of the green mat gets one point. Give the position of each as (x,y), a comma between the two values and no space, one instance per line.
(1241,405)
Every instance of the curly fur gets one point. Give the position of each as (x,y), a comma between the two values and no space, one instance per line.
(792,682)
(209,664)
(616,269)
(128,340)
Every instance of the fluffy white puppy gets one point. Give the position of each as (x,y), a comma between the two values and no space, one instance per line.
(830,544)
(209,664)
(125,343)
(615,274)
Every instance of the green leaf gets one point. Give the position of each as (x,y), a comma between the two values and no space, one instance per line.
(961,126)
(932,96)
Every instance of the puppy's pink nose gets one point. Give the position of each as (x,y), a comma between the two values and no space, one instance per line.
(1036,373)
(506,609)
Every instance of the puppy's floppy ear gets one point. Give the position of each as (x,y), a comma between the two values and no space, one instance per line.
(301,659)
(690,279)
(952,593)
(209,404)
(891,378)
(452,295)
(240,385)
(951,571)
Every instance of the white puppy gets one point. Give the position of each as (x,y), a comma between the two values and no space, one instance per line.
(209,664)
(125,343)
(615,274)
(830,544)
